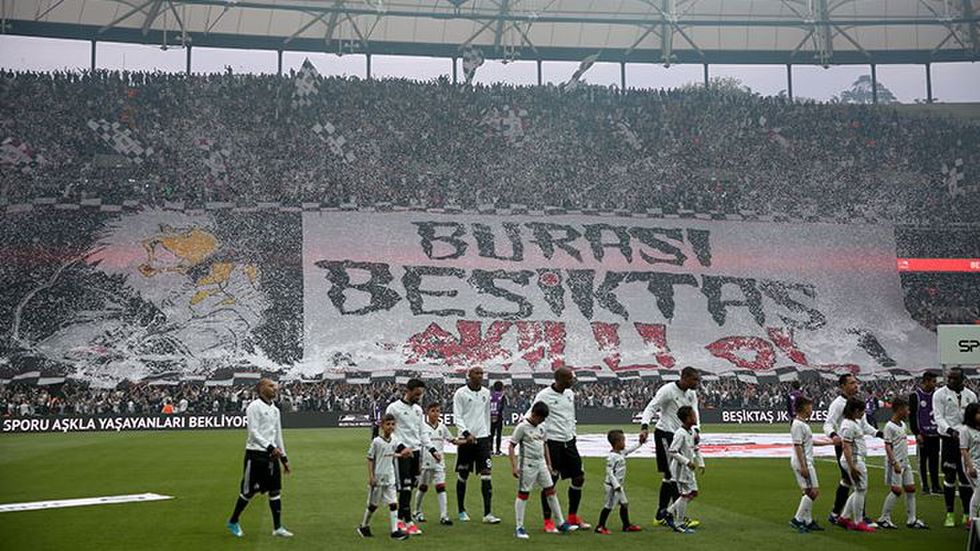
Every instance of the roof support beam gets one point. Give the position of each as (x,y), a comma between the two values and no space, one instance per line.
(126,16)
(970,13)
(822,33)
(498,34)
(151,16)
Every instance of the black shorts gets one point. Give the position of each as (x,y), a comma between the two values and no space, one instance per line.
(565,458)
(952,459)
(260,473)
(662,440)
(409,469)
(474,458)
(374,431)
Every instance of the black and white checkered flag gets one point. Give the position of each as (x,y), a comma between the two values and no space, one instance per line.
(954,175)
(337,143)
(19,156)
(472,60)
(306,82)
(121,140)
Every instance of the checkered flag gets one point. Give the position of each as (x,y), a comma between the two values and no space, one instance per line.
(306,84)
(216,160)
(337,143)
(121,140)
(509,123)
(954,175)
(19,156)
(472,60)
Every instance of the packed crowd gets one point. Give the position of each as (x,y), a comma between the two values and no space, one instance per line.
(435,144)
(724,393)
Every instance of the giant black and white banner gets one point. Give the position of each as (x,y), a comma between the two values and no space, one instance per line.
(439,292)
(169,295)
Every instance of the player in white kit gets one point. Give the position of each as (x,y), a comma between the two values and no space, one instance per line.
(898,469)
(533,468)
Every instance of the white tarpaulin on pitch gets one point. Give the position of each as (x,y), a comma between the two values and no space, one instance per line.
(441,292)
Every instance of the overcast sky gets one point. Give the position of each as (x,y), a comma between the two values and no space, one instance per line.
(951,82)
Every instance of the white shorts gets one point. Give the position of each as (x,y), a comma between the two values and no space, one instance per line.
(806,483)
(614,498)
(904,478)
(684,477)
(382,494)
(434,476)
(534,475)
(862,482)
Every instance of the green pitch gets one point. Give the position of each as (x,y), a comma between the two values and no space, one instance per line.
(744,503)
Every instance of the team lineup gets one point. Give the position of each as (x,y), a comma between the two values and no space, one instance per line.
(406,456)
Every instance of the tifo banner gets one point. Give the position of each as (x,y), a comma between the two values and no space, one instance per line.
(108,296)
(441,292)
(220,295)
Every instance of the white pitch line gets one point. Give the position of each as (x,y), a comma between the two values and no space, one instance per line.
(869,465)
(56,504)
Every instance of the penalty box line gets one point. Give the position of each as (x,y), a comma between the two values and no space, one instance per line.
(80,502)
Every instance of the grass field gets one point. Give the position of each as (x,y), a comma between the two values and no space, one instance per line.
(744,504)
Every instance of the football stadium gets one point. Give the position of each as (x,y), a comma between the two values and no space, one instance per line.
(699,274)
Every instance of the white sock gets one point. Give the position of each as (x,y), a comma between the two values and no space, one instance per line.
(848,505)
(366,521)
(441,496)
(975,503)
(556,509)
(910,507)
(807,509)
(520,505)
(393,519)
(857,508)
(680,509)
(419,495)
(886,510)
(801,509)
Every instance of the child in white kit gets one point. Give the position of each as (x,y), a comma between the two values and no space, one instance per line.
(615,477)
(534,469)
(433,471)
(381,479)
(685,459)
(802,463)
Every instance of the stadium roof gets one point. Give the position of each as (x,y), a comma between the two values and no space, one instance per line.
(654,31)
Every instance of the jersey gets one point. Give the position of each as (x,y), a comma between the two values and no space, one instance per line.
(668,399)
(802,435)
(896,436)
(970,441)
(531,439)
(409,423)
(438,437)
(835,419)
(949,406)
(471,411)
(852,433)
(382,452)
(264,426)
(616,466)
(560,424)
